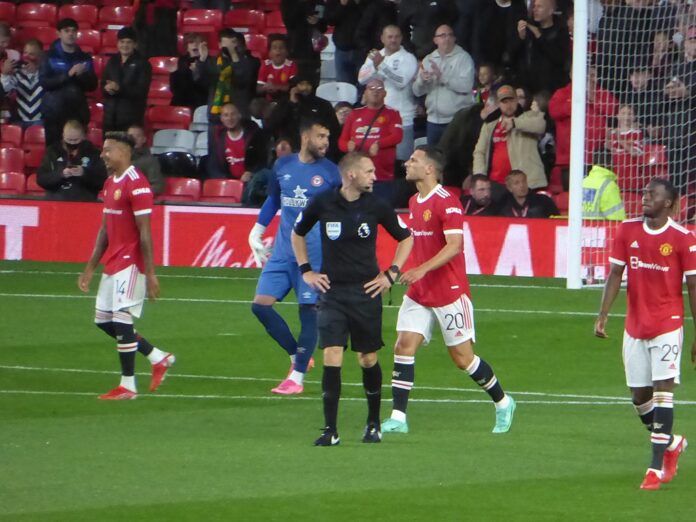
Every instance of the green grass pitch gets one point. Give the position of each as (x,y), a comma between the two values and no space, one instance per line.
(214,444)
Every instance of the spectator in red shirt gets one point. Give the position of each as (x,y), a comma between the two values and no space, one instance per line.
(238,147)
(275,72)
(375,129)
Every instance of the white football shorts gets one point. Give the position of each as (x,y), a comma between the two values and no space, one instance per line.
(124,291)
(456,320)
(648,360)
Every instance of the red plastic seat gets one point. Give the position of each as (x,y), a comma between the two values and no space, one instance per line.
(33,188)
(201,21)
(181,189)
(160,93)
(36,15)
(562,201)
(11,159)
(34,146)
(274,20)
(222,191)
(96,111)
(115,3)
(257,45)
(269,5)
(45,35)
(245,20)
(12,183)
(89,40)
(10,136)
(99,62)
(84,14)
(109,40)
(96,136)
(115,17)
(168,117)
(162,66)
(7,12)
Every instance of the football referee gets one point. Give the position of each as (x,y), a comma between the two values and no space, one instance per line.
(350,283)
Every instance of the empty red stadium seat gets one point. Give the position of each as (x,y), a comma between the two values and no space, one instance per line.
(99,62)
(96,111)
(96,136)
(33,188)
(160,93)
(274,20)
(45,35)
(7,12)
(257,45)
(89,40)
(562,202)
(222,191)
(34,146)
(269,5)
(162,66)
(85,15)
(10,136)
(12,183)
(11,160)
(201,21)
(245,20)
(115,17)
(181,189)
(168,117)
(36,15)
(108,41)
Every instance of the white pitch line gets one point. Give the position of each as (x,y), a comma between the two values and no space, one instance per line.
(603,398)
(247,302)
(275,398)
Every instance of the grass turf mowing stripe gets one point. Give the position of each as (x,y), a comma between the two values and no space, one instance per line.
(247,302)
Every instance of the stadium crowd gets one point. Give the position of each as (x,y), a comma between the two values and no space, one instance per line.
(218,90)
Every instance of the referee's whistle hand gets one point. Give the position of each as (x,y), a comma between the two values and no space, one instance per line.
(319,282)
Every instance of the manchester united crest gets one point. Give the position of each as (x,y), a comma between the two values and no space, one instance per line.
(427,215)
(666,249)
(117,194)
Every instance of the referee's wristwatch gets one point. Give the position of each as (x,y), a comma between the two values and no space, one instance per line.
(387,273)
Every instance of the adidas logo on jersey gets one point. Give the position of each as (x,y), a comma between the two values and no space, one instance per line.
(635,244)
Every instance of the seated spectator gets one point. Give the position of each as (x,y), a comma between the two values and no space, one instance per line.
(144,161)
(511,142)
(125,84)
(542,56)
(66,74)
(446,78)
(376,130)
(601,196)
(523,203)
(238,148)
(22,78)
(397,68)
(277,71)
(72,169)
(190,83)
(479,202)
(485,76)
(342,110)
(302,103)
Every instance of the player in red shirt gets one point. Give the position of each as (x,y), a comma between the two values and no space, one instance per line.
(438,292)
(658,254)
(275,72)
(124,244)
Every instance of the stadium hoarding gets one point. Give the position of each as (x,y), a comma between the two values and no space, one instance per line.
(210,236)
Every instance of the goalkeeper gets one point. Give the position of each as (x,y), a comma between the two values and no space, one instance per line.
(296,178)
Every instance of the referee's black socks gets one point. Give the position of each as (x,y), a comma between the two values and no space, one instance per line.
(331,393)
(372,382)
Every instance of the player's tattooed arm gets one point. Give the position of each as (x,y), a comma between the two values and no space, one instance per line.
(143,224)
(100,245)
(611,290)
(691,285)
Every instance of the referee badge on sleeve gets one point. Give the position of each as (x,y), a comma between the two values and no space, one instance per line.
(333,229)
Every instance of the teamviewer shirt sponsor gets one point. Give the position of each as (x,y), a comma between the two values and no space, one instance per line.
(656,261)
(432,219)
(125,198)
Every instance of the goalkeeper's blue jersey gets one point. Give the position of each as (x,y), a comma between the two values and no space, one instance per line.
(290,188)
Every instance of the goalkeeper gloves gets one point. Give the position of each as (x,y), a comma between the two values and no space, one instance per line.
(258,249)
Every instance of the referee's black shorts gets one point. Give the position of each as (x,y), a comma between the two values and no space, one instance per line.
(346,311)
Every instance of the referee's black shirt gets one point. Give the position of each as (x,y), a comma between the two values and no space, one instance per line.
(349,233)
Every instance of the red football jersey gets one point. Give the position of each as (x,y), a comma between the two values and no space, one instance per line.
(277,75)
(235,152)
(500,160)
(124,198)
(657,261)
(432,219)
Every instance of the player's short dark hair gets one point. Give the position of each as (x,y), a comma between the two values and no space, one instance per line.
(475,178)
(121,137)
(350,160)
(434,155)
(277,37)
(306,124)
(672,192)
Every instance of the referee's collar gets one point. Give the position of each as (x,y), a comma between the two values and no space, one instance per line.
(343,200)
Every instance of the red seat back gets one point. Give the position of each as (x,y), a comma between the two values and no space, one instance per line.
(108,41)
(168,117)
(45,35)
(12,183)
(245,20)
(201,21)
(160,93)
(36,15)
(115,17)
(89,40)
(257,45)
(562,200)
(182,189)
(222,191)
(163,66)
(10,136)
(84,14)
(11,160)
(7,12)
(33,188)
